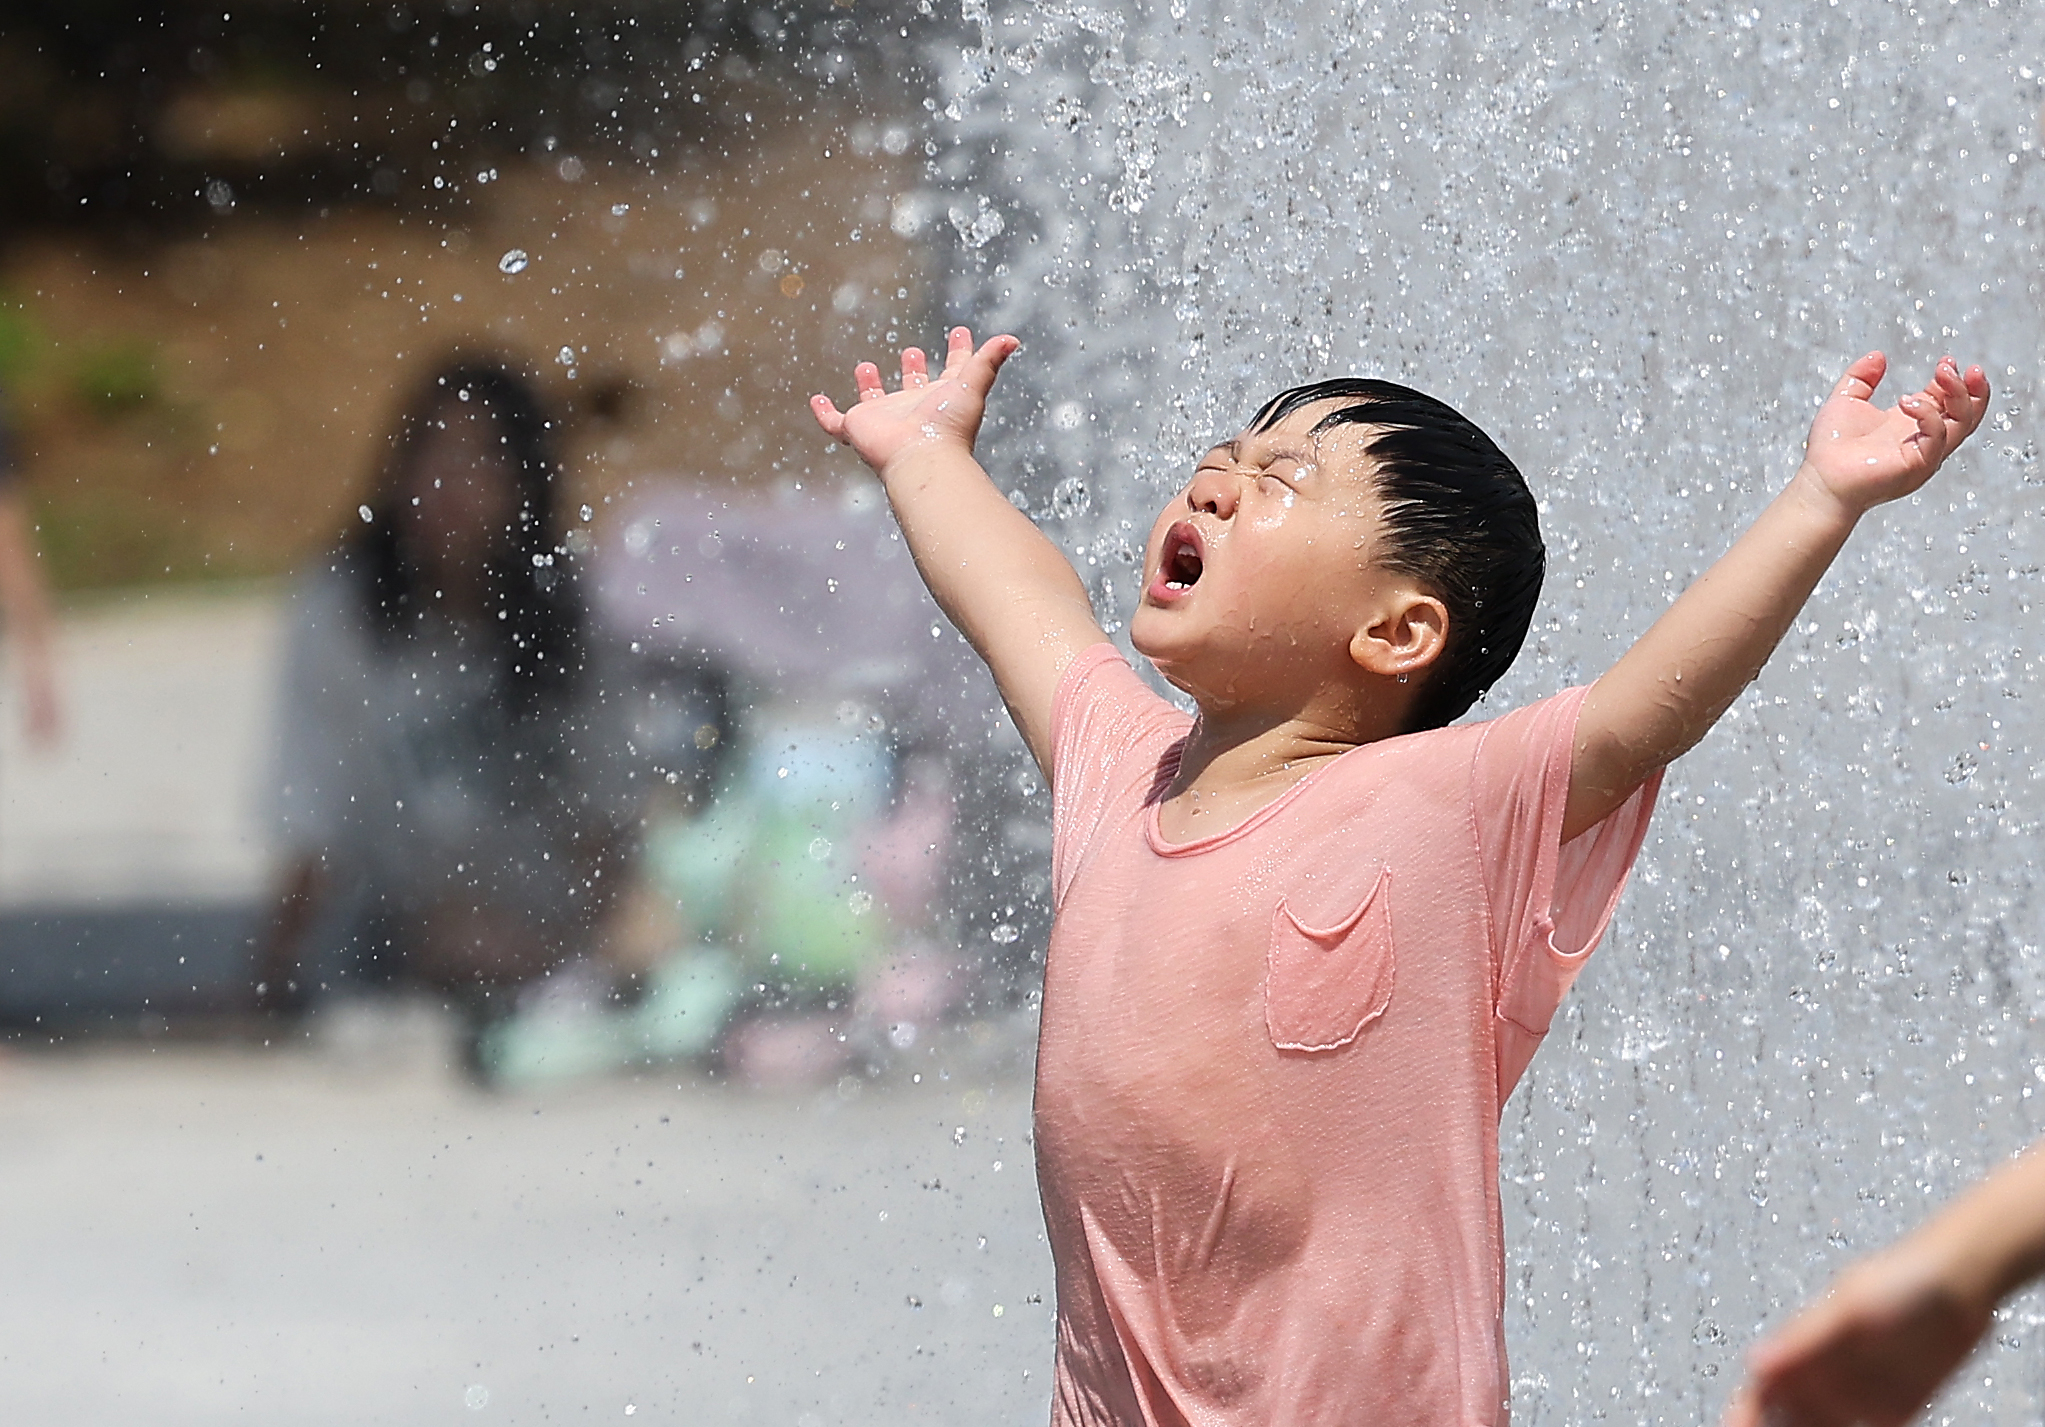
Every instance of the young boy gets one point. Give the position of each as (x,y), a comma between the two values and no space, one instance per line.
(1307,941)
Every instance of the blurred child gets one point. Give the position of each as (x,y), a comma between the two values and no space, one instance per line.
(1897,1324)
(775,909)
(1307,941)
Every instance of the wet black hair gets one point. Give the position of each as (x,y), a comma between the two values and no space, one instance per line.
(1458,517)
(537,644)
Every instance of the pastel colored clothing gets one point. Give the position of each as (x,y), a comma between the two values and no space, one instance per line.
(1273,1061)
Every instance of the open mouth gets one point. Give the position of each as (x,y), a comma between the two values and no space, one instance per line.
(1183,562)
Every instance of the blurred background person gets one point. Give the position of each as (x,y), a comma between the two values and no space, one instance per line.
(434,818)
(25,602)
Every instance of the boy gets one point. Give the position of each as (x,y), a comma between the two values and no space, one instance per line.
(1306,942)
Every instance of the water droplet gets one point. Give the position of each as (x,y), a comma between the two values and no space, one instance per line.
(861,903)
(366,513)
(566,356)
(476,1398)
(1004,934)
(819,848)
(630,1408)
(1070,497)
(978,226)
(513,261)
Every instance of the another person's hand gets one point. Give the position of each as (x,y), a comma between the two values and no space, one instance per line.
(1863,455)
(1875,1350)
(884,424)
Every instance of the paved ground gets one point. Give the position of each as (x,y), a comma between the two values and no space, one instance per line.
(348,1235)
(155,795)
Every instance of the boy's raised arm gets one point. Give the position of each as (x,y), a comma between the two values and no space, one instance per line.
(1668,690)
(997,577)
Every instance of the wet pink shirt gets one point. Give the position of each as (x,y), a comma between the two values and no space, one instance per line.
(1273,1060)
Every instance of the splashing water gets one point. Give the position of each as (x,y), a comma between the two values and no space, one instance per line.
(1637,245)
(1070,498)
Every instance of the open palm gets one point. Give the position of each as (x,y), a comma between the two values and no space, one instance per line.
(884,424)
(1865,454)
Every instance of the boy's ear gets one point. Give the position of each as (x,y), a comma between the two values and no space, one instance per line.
(1405,636)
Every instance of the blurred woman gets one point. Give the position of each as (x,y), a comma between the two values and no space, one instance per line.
(436,820)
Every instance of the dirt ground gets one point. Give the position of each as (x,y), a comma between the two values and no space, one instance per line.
(214,405)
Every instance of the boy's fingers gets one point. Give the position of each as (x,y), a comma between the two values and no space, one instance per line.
(828,416)
(958,350)
(997,350)
(1975,385)
(1923,408)
(1862,377)
(979,371)
(866,376)
(915,369)
(1952,390)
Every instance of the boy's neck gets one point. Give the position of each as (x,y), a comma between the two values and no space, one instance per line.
(1236,760)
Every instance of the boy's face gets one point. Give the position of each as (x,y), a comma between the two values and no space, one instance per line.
(1258,571)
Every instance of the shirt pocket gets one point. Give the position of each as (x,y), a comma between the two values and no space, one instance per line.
(1324,985)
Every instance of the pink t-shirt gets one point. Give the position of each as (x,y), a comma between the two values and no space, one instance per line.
(1273,1060)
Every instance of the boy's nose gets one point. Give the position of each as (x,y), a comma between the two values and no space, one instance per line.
(1214,492)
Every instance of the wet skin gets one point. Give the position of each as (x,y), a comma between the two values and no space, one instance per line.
(1262,599)
(1256,574)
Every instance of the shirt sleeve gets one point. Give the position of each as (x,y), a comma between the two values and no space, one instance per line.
(1550,902)
(1108,729)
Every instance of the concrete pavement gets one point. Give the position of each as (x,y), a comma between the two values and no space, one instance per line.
(346,1234)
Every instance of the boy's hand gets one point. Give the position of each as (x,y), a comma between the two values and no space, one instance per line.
(1862,455)
(1873,1352)
(884,425)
